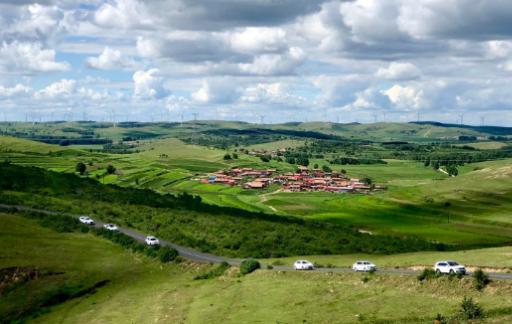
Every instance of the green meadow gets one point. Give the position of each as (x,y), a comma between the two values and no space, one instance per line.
(139,289)
(473,208)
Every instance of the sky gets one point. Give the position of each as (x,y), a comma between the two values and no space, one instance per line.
(257,60)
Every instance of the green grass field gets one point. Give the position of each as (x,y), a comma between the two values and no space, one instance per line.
(143,290)
(415,203)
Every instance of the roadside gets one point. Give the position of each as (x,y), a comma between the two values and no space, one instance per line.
(202,257)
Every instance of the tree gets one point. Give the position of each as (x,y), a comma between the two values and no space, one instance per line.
(290,160)
(427,162)
(111,169)
(436,165)
(315,166)
(227,156)
(80,168)
(302,160)
(265,158)
(235,156)
(326,168)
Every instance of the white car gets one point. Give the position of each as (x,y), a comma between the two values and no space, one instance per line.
(303,265)
(364,266)
(151,240)
(450,267)
(111,227)
(86,220)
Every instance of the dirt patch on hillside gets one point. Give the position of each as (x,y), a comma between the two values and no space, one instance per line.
(498,173)
(13,277)
(469,268)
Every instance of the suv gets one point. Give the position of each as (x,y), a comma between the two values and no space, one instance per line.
(303,265)
(364,266)
(450,267)
(86,220)
(151,240)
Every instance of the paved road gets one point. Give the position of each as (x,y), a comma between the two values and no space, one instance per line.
(197,256)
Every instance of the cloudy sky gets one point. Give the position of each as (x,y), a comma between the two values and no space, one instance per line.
(286,60)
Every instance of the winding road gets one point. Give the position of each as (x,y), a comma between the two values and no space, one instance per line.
(202,257)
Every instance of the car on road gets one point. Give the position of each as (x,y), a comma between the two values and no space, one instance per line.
(450,267)
(111,227)
(86,220)
(303,265)
(364,266)
(151,240)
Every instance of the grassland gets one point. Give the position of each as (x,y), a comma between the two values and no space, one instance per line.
(142,290)
(472,208)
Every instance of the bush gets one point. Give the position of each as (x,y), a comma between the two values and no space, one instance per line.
(480,279)
(248,266)
(440,319)
(167,254)
(470,310)
(214,273)
(428,274)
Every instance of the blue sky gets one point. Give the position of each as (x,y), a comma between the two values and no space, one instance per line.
(287,60)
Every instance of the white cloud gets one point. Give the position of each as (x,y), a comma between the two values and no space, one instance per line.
(111,59)
(258,40)
(407,97)
(60,89)
(123,13)
(271,93)
(148,84)
(274,64)
(399,71)
(216,91)
(26,57)
(17,90)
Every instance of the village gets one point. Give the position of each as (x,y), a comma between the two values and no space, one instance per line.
(303,179)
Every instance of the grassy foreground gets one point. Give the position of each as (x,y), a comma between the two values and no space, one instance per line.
(141,290)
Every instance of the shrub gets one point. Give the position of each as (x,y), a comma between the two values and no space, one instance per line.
(111,169)
(248,266)
(470,310)
(214,273)
(80,168)
(167,254)
(440,319)
(428,274)
(480,279)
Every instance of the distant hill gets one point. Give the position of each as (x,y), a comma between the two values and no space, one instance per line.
(494,130)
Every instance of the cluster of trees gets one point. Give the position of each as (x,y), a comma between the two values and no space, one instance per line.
(449,165)
(355,161)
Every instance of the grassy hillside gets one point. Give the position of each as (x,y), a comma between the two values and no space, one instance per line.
(186,220)
(41,268)
(142,290)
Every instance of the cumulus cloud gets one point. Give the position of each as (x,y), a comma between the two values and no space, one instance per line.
(148,84)
(17,90)
(201,14)
(275,64)
(29,57)
(216,91)
(111,59)
(259,40)
(406,97)
(399,71)
(60,89)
